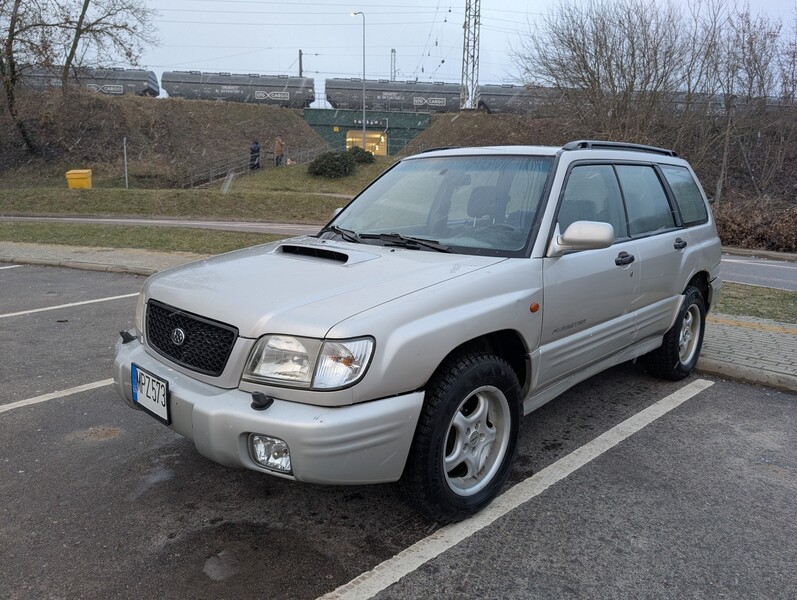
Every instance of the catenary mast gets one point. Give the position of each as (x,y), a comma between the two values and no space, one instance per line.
(469,90)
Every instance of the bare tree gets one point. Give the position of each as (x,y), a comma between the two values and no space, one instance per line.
(788,65)
(108,30)
(748,58)
(615,61)
(22,41)
(714,79)
(60,34)
(752,55)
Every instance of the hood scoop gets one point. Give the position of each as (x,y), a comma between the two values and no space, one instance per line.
(325,254)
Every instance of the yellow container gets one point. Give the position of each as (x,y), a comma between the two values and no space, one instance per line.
(79,179)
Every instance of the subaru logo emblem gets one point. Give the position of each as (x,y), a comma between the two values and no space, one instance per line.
(178,337)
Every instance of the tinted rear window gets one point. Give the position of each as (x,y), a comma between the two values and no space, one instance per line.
(687,194)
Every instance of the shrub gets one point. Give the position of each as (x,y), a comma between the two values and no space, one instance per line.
(332,165)
(360,156)
(758,225)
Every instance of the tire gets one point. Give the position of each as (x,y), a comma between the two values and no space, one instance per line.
(466,438)
(678,354)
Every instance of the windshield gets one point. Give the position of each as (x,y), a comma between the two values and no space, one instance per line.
(466,204)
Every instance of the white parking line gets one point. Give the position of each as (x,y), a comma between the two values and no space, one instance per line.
(56,395)
(759,264)
(10,267)
(36,310)
(389,572)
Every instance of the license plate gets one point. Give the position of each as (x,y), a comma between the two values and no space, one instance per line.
(151,393)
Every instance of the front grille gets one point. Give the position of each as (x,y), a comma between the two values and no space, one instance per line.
(206,344)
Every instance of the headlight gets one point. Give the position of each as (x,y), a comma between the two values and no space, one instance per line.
(342,363)
(140,315)
(307,362)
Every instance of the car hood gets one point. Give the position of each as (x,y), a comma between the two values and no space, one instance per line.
(303,286)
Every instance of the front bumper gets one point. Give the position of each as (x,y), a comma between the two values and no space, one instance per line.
(715,285)
(362,443)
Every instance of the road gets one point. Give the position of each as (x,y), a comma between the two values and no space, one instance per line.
(776,274)
(748,270)
(100,501)
(291,229)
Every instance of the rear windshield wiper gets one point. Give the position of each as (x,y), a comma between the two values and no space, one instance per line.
(346,234)
(412,243)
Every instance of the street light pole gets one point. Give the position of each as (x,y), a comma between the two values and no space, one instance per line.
(354,14)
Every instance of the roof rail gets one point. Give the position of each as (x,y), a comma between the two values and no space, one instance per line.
(436,148)
(601,145)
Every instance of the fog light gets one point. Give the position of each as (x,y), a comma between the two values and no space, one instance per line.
(271,453)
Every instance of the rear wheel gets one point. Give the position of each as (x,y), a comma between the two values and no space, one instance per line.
(678,354)
(466,437)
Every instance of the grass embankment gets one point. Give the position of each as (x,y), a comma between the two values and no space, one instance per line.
(161,239)
(287,194)
(268,206)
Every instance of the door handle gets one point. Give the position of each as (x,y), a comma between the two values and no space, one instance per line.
(679,244)
(624,259)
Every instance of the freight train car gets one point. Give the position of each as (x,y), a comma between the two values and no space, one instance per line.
(281,90)
(508,98)
(113,82)
(403,96)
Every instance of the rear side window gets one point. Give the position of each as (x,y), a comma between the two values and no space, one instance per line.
(687,194)
(592,194)
(648,209)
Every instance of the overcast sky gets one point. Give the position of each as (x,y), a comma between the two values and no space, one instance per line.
(265,36)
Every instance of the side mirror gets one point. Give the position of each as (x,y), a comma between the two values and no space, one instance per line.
(581,235)
(336,212)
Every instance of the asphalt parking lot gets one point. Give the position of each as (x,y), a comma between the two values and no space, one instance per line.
(100,501)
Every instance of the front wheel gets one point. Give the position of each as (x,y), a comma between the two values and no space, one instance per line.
(466,437)
(678,354)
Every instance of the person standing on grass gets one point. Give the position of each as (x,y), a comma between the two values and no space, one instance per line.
(254,155)
(279,151)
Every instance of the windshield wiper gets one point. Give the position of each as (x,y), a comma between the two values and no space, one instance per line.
(412,243)
(346,234)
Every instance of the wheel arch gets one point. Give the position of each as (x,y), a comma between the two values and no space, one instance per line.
(700,281)
(506,344)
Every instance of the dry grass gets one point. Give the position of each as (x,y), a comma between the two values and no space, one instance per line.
(237,205)
(754,301)
(164,239)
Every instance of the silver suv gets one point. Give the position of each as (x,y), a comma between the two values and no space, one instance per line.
(461,290)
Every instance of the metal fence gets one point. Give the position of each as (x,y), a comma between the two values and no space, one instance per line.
(241,164)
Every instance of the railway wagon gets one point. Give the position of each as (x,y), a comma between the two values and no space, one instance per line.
(112,82)
(403,96)
(508,98)
(281,90)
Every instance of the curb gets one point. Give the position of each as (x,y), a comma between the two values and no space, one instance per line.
(747,374)
(769,254)
(84,266)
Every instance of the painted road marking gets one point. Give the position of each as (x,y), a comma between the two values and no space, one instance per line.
(756,263)
(389,572)
(10,267)
(56,395)
(36,310)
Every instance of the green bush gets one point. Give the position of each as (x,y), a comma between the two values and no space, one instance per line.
(360,156)
(332,165)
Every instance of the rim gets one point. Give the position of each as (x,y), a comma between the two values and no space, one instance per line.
(477,440)
(690,334)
